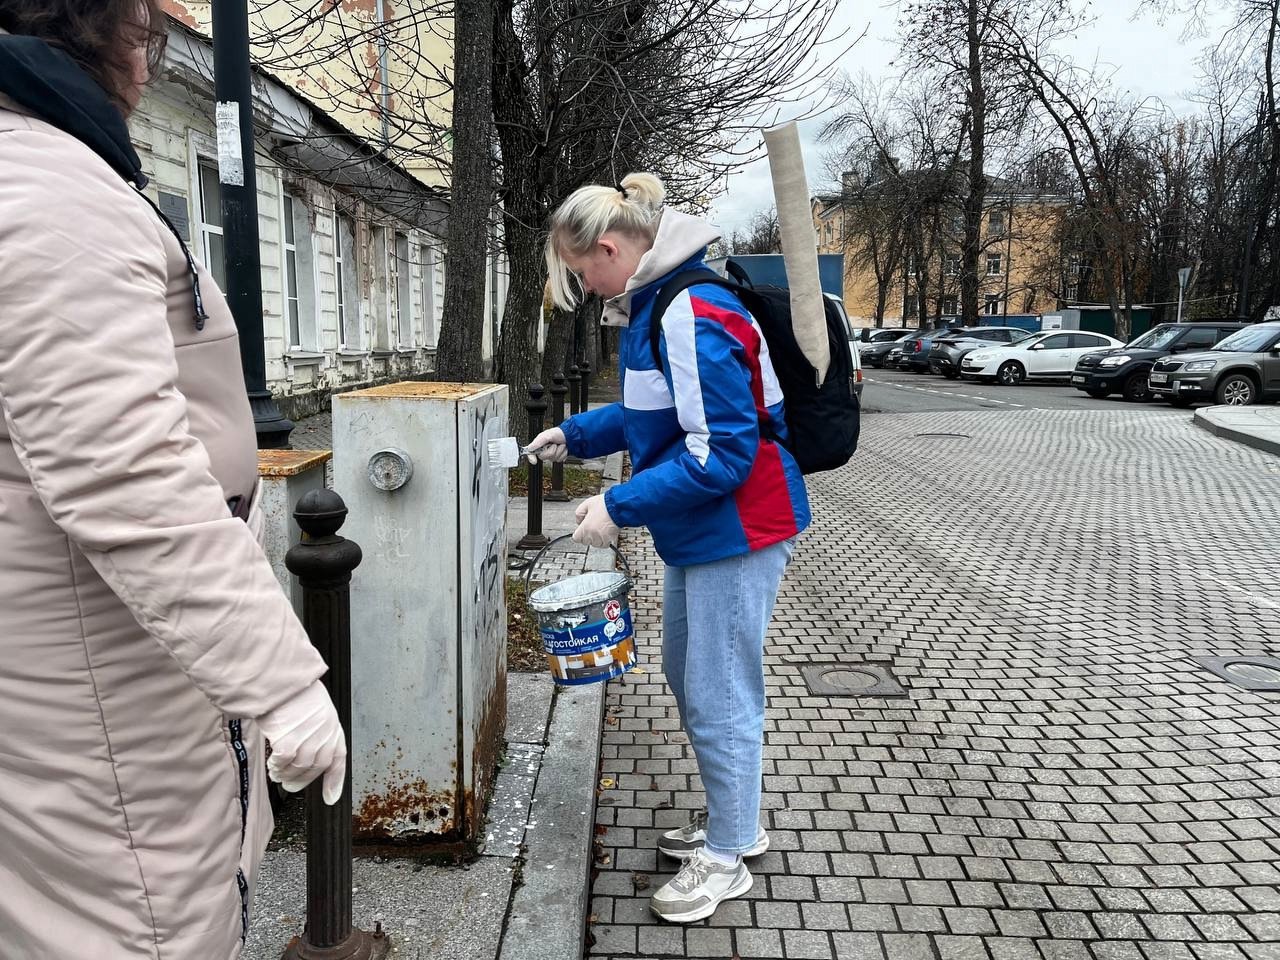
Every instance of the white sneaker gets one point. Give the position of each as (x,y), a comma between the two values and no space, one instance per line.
(683,841)
(701,885)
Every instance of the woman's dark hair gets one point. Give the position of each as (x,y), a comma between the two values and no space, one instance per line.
(97,34)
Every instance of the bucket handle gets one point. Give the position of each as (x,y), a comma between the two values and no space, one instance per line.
(528,571)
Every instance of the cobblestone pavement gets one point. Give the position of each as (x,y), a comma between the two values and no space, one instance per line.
(1063,781)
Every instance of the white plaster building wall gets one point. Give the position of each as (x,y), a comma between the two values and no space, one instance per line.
(173,136)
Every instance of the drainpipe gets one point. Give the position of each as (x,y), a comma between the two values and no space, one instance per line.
(384,73)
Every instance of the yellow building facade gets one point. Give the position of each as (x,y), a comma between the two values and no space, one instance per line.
(1020,269)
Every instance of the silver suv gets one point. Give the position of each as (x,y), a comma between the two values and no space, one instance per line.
(1243,368)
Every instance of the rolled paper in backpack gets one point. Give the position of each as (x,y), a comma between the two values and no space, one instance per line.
(799,245)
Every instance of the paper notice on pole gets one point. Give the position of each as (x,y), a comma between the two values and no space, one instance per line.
(799,245)
(230,155)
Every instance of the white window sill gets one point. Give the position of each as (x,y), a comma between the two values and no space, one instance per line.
(407,351)
(304,357)
(353,354)
(383,354)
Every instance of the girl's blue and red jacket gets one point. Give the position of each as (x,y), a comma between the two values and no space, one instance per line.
(704,481)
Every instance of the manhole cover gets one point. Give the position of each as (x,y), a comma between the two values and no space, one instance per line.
(1250,673)
(851,680)
(952,436)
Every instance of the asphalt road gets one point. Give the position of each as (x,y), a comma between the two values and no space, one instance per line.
(896,391)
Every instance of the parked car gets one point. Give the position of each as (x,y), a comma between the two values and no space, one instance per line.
(851,337)
(873,335)
(1125,369)
(915,349)
(1048,355)
(949,351)
(876,353)
(1243,368)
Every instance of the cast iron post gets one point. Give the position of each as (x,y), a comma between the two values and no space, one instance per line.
(575,388)
(233,91)
(585,393)
(558,391)
(323,562)
(535,539)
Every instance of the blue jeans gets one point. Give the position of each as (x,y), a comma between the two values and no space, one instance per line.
(714,618)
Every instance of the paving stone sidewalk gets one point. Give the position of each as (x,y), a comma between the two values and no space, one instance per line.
(1064,781)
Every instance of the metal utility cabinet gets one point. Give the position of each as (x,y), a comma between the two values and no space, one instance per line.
(428,604)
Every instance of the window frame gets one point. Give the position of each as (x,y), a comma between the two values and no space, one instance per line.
(347,305)
(996,260)
(204,158)
(402,276)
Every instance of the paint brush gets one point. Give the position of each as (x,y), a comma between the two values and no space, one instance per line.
(505,453)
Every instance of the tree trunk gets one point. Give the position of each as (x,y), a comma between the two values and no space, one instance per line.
(975,196)
(459,356)
(555,355)
(518,364)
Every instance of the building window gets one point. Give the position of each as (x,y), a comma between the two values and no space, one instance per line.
(292,308)
(949,306)
(951,266)
(995,264)
(995,223)
(427,262)
(345,273)
(402,276)
(991,307)
(212,251)
(384,290)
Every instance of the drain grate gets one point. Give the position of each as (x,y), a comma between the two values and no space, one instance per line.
(851,680)
(1249,673)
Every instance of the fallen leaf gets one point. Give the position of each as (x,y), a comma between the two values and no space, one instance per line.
(640,881)
(606,783)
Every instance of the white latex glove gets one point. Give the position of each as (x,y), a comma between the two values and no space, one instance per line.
(307,742)
(595,527)
(549,445)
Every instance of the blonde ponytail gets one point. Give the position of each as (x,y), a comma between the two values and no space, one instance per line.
(632,207)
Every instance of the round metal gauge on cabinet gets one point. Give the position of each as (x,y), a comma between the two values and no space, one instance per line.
(390,469)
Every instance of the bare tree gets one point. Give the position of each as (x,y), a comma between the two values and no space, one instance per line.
(954,41)
(762,235)
(585,92)
(459,356)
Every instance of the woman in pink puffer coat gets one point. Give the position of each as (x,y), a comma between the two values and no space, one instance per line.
(145,645)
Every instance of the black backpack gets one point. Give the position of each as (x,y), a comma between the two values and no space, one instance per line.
(822,422)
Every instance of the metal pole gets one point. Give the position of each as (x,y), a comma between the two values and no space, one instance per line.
(575,390)
(558,390)
(323,562)
(585,393)
(233,90)
(535,539)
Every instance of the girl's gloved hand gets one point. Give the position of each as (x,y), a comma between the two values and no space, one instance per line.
(549,445)
(307,742)
(595,527)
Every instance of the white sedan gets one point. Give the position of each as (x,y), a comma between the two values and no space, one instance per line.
(1041,356)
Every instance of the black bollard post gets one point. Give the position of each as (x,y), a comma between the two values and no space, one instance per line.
(535,539)
(584,394)
(323,562)
(575,388)
(558,390)
(575,385)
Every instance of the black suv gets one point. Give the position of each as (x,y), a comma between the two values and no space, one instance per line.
(1124,370)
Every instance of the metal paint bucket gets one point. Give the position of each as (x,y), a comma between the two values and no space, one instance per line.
(587,629)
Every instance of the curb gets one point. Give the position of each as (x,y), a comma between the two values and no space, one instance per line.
(547,916)
(1202,419)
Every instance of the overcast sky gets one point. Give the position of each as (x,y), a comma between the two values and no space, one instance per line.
(1145,57)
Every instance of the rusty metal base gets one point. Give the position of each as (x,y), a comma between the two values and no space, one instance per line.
(358,946)
(556,496)
(533,541)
